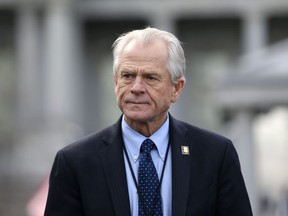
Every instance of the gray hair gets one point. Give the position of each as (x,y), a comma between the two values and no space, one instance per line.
(176,64)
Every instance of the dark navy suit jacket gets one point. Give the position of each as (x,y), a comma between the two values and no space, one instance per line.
(88,177)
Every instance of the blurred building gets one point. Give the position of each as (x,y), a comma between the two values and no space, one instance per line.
(56,82)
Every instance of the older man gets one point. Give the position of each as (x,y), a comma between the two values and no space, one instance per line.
(148,163)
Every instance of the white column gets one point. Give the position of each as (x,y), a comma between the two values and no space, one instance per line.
(28,96)
(62,81)
(28,106)
(243,140)
(47,105)
(254,31)
(62,108)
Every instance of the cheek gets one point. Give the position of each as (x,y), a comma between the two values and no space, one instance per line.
(161,99)
(167,97)
(117,91)
(120,91)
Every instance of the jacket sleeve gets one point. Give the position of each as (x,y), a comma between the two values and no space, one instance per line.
(63,195)
(232,194)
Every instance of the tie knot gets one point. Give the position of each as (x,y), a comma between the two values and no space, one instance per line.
(147,146)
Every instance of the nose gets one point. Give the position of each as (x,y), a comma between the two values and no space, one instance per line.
(138,86)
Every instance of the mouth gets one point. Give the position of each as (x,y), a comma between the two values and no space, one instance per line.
(136,102)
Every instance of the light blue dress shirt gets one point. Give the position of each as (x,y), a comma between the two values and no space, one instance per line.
(133,140)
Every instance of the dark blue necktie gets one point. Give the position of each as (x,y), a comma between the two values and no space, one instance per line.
(150,203)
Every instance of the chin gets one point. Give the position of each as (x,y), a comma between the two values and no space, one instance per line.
(138,116)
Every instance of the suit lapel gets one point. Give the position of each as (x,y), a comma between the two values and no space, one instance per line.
(180,168)
(114,169)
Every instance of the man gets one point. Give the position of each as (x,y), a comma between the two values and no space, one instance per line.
(148,163)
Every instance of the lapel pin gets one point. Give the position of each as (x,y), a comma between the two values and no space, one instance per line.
(185,150)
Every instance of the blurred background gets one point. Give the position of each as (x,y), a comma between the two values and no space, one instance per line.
(56,85)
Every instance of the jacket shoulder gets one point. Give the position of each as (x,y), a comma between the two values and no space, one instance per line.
(198,133)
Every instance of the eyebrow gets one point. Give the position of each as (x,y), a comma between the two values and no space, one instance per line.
(126,70)
(145,72)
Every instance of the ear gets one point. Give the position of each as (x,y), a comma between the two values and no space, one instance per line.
(177,89)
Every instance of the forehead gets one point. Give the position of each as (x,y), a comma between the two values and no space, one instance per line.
(155,50)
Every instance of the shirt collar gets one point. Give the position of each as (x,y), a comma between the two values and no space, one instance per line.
(133,139)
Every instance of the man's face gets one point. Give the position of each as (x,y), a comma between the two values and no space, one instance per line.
(143,84)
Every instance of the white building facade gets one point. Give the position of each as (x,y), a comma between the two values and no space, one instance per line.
(56,80)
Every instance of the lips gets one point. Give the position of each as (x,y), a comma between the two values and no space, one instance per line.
(136,102)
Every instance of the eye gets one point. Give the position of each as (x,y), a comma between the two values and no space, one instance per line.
(127,76)
(152,78)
